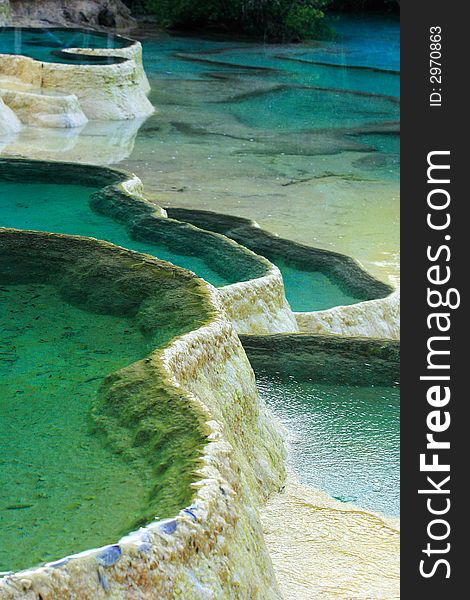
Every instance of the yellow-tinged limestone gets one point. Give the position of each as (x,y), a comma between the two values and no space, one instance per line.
(329,550)
(76,92)
(373,318)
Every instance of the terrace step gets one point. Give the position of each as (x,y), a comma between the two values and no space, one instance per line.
(41,108)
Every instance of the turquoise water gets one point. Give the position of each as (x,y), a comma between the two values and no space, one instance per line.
(312,290)
(343,439)
(46,44)
(65,209)
(62,489)
(270,132)
(312,109)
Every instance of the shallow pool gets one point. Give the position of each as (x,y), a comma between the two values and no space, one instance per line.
(343,439)
(63,489)
(303,139)
(65,209)
(46,44)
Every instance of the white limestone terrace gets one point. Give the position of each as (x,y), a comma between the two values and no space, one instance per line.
(254,298)
(213,548)
(376,316)
(47,82)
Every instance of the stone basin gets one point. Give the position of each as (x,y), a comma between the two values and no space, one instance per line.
(183,422)
(102,74)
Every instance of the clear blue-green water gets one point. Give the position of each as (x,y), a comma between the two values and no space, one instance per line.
(302,138)
(62,488)
(312,109)
(312,290)
(343,439)
(44,44)
(65,209)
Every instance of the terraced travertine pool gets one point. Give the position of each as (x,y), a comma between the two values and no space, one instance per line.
(330,179)
(46,44)
(57,475)
(65,487)
(65,208)
(84,460)
(303,139)
(314,167)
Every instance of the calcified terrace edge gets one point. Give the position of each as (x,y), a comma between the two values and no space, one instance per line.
(377,316)
(48,94)
(184,553)
(257,305)
(202,548)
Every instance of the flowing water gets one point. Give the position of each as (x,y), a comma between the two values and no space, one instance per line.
(343,439)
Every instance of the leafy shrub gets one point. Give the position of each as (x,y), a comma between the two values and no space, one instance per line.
(275,20)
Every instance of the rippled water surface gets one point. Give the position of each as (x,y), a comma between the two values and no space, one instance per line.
(344,440)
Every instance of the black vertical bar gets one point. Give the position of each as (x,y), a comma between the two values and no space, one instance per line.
(429,127)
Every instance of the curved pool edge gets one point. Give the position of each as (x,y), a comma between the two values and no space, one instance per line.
(257,305)
(117,91)
(378,315)
(351,360)
(203,549)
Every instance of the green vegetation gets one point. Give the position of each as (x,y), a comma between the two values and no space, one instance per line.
(273,20)
(365,5)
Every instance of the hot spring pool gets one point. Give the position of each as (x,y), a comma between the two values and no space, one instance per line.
(343,439)
(46,44)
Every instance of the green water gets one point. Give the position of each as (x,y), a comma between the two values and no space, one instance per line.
(46,44)
(62,489)
(65,209)
(312,290)
(343,439)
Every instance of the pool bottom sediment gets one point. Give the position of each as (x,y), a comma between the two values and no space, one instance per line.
(95,444)
(58,474)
